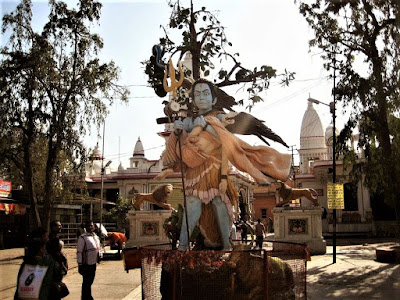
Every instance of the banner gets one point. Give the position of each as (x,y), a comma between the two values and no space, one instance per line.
(5,188)
(335,196)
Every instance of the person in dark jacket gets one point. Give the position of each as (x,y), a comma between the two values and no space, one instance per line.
(55,245)
(243,228)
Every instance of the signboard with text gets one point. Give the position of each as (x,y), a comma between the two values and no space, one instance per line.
(5,188)
(335,196)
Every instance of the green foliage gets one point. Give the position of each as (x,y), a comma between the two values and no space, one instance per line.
(118,213)
(204,37)
(368,87)
(52,88)
(172,225)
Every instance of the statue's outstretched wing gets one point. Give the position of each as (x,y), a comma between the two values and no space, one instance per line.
(246,124)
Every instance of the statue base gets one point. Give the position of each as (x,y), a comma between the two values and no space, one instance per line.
(300,225)
(146,227)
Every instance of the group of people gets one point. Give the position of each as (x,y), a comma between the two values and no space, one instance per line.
(45,264)
(242,229)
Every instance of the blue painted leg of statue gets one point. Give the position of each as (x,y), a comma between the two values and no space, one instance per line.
(224,221)
(194,212)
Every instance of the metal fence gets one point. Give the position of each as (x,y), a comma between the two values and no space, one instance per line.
(69,232)
(238,274)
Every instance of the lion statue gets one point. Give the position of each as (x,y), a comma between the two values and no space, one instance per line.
(288,193)
(158,197)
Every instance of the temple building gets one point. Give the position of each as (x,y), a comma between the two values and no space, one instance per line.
(139,178)
(316,171)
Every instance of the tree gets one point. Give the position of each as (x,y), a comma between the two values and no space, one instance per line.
(52,87)
(367,33)
(204,37)
(119,213)
(13,162)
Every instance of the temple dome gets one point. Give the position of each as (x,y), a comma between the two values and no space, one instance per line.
(93,165)
(96,155)
(138,151)
(329,135)
(312,133)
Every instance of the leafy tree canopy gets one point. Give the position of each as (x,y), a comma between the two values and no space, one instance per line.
(119,212)
(361,40)
(52,87)
(203,36)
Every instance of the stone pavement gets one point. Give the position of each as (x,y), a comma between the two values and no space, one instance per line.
(355,275)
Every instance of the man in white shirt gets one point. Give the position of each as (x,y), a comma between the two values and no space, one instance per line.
(88,254)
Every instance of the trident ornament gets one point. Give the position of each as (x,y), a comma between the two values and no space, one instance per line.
(174,83)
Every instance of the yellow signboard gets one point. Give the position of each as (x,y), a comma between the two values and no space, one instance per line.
(335,196)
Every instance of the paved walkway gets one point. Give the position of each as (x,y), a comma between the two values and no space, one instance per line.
(355,275)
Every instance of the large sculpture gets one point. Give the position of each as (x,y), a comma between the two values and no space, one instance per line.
(201,147)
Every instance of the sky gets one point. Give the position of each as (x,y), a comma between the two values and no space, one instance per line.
(264,32)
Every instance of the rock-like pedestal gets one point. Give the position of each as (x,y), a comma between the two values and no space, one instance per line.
(146,227)
(300,225)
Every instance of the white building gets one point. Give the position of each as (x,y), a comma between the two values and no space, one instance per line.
(139,178)
(316,171)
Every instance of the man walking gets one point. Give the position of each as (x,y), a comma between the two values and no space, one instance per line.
(260,233)
(243,228)
(88,254)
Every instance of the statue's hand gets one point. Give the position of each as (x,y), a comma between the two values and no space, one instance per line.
(228,119)
(199,121)
(223,185)
(178,126)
